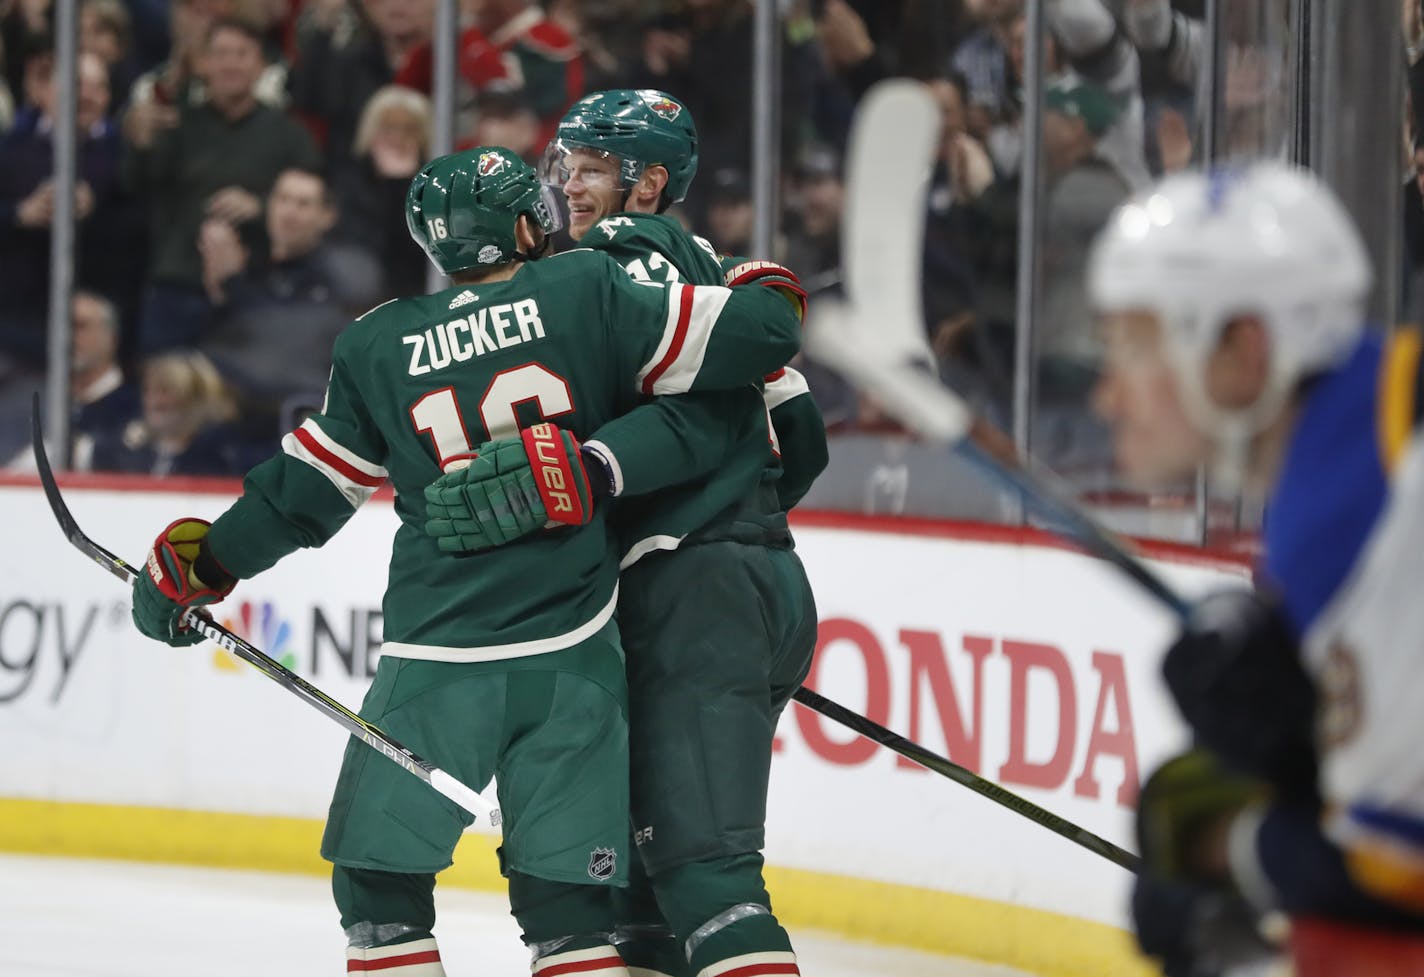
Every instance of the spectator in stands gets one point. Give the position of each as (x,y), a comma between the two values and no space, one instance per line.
(605,33)
(505,118)
(158,93)
(104,401)
(1095,49)
(511,46)
(151,38)
(1081,188)
(345,55)
(983,59)
(703,55)
(391,143)
(848,47)
(813,236)
(217,162)
(105,29)
(730,217)
(813,248)
(962,172)
(185,427)
(25,29)
(279,313)
(27,199)
(1254,122)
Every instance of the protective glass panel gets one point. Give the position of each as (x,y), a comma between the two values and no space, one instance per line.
(1130,93)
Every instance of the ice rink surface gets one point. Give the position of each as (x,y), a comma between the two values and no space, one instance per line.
(64,917)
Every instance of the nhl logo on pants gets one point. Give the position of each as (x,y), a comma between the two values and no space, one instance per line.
(601,863)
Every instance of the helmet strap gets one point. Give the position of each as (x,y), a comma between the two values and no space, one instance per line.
(534,253)
(1232,430)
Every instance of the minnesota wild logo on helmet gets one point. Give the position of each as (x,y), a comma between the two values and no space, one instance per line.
(640,127)
(490,163)
(665,107)
(462,208)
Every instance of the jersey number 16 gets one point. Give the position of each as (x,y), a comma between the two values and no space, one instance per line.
(438,412)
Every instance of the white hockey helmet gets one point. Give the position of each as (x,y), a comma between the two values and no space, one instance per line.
(1201,248)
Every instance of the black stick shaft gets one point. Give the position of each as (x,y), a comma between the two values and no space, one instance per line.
(366,732)
(965,777)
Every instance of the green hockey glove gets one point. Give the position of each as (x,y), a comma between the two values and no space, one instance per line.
(1186,909)
(168,584)
(1183,811)
(511,488)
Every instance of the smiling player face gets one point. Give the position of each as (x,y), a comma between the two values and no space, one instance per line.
(591,186)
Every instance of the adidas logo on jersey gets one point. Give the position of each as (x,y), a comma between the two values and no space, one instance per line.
(464,298)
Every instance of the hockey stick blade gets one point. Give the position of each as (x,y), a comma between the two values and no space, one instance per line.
(485,813)
(907,390)
(889,159)
(889,739)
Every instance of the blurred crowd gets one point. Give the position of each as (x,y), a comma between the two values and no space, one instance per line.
(242,165)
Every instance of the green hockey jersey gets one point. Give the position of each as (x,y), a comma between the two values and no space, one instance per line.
(419,381)
(704,464)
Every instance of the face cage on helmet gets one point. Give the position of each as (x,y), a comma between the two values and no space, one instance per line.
(554,170)
(546,210)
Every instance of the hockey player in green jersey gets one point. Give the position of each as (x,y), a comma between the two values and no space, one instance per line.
(717,615)
(509,664)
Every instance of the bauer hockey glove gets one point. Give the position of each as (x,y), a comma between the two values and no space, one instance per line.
(769,274)
(513,487)
(169,583)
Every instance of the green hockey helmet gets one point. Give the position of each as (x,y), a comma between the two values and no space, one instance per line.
(462,208)
(637,127)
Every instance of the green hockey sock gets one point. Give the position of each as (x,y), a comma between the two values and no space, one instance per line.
(721,910)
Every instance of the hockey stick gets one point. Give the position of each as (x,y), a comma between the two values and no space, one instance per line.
(965,777)
(876,336)
(483,811)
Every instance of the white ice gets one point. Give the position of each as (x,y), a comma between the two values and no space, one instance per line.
(64,917)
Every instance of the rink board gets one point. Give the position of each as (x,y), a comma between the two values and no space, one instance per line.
(1031,664)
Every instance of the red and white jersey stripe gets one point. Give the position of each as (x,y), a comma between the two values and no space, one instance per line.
(354,477)
(418,958)
(599,961)
(783,385)
(692,312)
(767,964)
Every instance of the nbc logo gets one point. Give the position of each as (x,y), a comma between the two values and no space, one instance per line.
(260,624)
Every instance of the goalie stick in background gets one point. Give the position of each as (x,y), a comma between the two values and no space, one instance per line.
(717,614)
(875,335)
(507,665)
(1231,306)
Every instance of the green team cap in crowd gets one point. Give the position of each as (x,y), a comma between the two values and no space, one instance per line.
(641,127)
(1084,100)
(461,208)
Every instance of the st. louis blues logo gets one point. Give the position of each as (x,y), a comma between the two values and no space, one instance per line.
(601,863)
(490,164)
(261,625)
(665,107)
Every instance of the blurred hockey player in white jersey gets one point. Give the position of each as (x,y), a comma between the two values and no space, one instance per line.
(1231,306)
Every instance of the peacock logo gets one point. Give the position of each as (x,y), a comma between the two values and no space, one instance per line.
(260,624)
